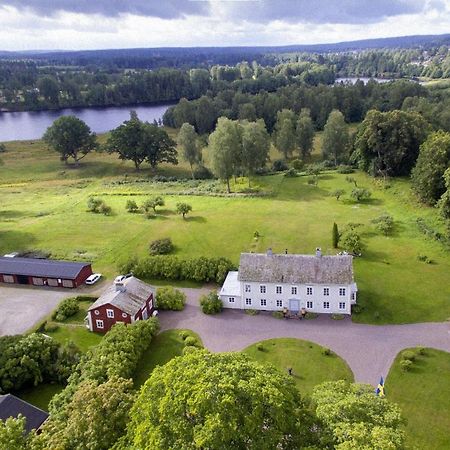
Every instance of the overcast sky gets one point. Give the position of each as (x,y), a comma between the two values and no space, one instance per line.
(94,24)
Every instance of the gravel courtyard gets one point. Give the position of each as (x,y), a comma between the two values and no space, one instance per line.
(368,349)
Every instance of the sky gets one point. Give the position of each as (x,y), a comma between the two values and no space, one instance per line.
(99,24)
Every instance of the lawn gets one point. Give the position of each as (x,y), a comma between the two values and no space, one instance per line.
(40,395)
(44,207)
(424,397)
(162,349)
(310,366)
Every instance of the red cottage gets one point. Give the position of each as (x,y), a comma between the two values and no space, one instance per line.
(127,301)
(43,272)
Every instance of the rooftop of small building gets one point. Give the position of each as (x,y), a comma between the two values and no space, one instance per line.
(231,286)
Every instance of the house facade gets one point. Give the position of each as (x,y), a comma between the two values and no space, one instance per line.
(127,301)
(43,272)
(280,282)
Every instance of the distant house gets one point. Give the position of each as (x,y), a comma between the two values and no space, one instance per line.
(277,282)
(127,301)
(43,272)
(12,406)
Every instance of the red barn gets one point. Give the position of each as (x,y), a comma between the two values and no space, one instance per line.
(43,272)
(127,301)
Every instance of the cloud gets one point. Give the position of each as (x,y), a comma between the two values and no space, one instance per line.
(164,9)
(317,11)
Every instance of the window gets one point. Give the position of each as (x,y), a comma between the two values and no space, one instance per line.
(248,301)
(294,290)
(341,305)
(341,291)
(326,305)
(309,291)
(124,315)
(248,288)
(326,292)
(96,312)
(353,296)
(279,289)
(279,303)
(262,289)
(8,279)
(110,313)
(309,305)
(99,323)
(230,299)
(263,302)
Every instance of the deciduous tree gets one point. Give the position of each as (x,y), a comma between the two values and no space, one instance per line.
(305,133)
(335,138)
(285,133)
(187,140)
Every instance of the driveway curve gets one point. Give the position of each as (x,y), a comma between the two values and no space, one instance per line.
(369,350)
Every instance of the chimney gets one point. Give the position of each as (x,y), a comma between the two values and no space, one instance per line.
(318,252)
(269,252)
(285,252)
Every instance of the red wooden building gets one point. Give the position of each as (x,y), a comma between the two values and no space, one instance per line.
(43,272)
(127,301)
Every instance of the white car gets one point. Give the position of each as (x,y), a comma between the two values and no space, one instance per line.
(92,279)
(120,278)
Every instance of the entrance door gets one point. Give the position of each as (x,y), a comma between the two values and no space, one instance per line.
(294,305)
(22,279)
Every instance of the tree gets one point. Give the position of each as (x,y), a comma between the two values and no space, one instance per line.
(131,206)
(444,202)
(211,303)
(13,435)
(360,194)
(255,146)
(428,175)
(335,138)
(49,89)
(225,147)
(351,241)
(153,203)
(384,223)
(183,209)
(206,400)
(387,144)
(338,193)
(187,140)
(162,246)
(71,138)
(170,298)
(205,115)
(335,235)
(158,147)
(305,133)
(354,418)
(285,134)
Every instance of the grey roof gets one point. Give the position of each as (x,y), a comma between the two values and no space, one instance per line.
(296,269)
(129,296)
(12,406)
(41,267)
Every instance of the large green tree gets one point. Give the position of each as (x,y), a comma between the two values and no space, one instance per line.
(355,419)
(71,138)
(444,202)
(255,146)
(428,174)
(158,146)
(13,435)
(335,139)
(187,140)
(218,401)
(225,149)
(387,144)
(285,132)
(305,133)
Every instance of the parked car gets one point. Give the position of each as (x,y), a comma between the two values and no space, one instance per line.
(121,278)
(92,279)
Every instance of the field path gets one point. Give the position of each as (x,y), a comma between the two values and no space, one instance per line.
(369,350)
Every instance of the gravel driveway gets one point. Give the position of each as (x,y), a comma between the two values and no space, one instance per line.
(368,349)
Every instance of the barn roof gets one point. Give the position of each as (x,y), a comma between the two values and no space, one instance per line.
(296,269)
(129,296)
(12,406)
(50,268)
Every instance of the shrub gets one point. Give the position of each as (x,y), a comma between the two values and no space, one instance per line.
(168,298)
(211,303)
(409,355)
(337,316)
(105,209)
(297,164)
(94,204)
(183,334)
(67,308)
(424,258)
(421,351)
(351,242)
(313,169)
(351,180)
(191,341)
(2,148)
(251,312)
(345,169)
(50,327)
(311,315)
(203,173)
(279,165)
(326,352)
(131,206)
(291,173)
(406,365)
(161,246)
(278,315)
(263,171)
(260,347)
(360,194)
(384,223)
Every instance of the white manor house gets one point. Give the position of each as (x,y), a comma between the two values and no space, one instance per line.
(277,282)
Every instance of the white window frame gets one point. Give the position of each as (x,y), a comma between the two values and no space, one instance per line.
(230,299)
(342,305)
(294,290)
(110,313)
(326,291)
(248,301)
(279,289)
(124,315)
(309,290)
(263,302)
(248,288)
(309,304)
(262,289)
(96,312)
(99,323)
(326,305)
(279,303)
(342,291)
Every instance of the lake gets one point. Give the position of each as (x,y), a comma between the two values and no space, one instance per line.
(27,125)
(353,80)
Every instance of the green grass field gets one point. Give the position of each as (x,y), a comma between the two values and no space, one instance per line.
(40,395)
(310,366)
(43,206)
(424,397)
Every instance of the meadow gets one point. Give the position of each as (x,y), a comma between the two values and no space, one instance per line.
(44,206)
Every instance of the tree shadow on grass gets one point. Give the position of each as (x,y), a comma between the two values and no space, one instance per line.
(165,212)
(11,214)
(199,219)
(12,240)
